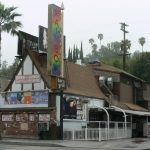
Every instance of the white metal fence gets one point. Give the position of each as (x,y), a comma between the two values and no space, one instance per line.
(97,130)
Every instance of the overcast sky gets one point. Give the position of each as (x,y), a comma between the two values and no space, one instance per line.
(84,19)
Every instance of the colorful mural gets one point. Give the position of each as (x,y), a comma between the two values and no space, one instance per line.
(39,97)
(54,38)
(25,99)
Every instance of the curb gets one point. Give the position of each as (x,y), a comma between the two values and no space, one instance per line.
(31,144)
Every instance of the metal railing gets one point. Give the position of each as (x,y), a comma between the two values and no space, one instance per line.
(97,130)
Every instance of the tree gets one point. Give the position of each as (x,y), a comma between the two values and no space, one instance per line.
(125,45)
(7,71)
(77,52)
(74,55)
(142,42)
(69,55)
(91,41)
(100,37)
(140,67)
(94,47)
(81,53)
(7,22)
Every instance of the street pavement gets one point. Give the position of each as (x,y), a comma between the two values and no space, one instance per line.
(119,144)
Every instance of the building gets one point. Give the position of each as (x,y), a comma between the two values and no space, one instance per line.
(29,108)
(98,102)
(126,92)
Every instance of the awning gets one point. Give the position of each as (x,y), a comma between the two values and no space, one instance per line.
(134,109)
(140,113)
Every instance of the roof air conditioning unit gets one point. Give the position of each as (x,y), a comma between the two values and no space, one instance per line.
(110,82)
(102,80)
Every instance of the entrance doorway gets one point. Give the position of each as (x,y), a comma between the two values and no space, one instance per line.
(137,125)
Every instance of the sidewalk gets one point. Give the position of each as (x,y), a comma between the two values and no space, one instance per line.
(135,144)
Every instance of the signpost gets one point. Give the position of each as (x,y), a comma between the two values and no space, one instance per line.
(55,54)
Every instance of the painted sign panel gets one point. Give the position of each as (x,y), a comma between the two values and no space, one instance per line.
(54,40)
(42,41)
(26,41)
(24,99)
(7,117)
(22,117)
(69,109)
(11,98)
(39,97)
(44,117)
(19,98)
(27,97)
(27,79)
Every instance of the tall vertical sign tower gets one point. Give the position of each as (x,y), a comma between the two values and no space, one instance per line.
(54,54)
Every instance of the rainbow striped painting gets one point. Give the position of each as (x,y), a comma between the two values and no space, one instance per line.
(54,40)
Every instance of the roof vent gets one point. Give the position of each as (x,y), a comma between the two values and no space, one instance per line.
(79,62)
(94,61)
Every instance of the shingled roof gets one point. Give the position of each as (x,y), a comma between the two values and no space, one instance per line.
(82,81)
(108,68)
(79,79)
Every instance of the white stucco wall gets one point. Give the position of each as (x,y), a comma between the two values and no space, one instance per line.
(38,86)
(27,70)
(15,86)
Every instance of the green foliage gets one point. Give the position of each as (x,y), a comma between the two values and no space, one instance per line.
(81,54)
(142,41)
(69,55)
(107,54)
(140,66)
(100,37)
(76,54)
(91,41)
(7,19)
(8,71)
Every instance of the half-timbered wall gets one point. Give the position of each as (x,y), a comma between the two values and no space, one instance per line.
(28,69)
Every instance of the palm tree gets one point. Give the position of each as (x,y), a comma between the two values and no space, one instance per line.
(142,42)
(91,41)
(94,47)
(128,44)
(7,22)
(100,37)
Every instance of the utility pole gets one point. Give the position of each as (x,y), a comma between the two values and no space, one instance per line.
(124,44)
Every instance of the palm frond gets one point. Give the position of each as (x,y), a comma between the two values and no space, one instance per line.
(7,19)
(11,27)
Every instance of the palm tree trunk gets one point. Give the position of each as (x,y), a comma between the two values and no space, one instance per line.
(142,52)
(100,44)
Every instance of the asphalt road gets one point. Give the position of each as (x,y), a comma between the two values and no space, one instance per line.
(24,147)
